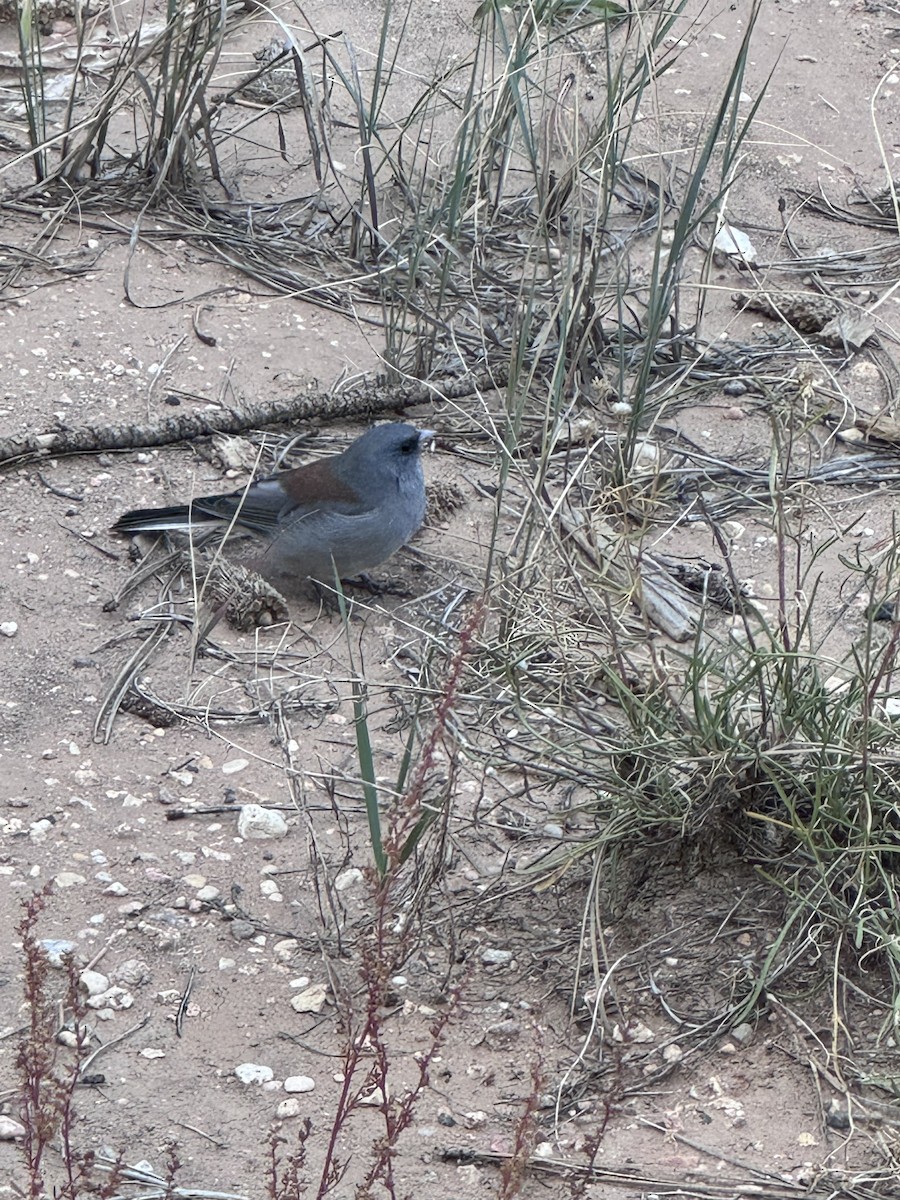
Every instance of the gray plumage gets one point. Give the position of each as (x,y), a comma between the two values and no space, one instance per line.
(348,513)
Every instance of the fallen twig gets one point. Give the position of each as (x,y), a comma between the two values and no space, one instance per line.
(369,399)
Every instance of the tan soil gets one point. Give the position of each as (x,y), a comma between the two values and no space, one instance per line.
(75,351)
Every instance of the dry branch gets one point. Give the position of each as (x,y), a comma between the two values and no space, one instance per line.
(369,400)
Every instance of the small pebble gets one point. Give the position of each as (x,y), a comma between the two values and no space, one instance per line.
(492,958)
(254,1073)
(93,982)
(256,822)
(503,1031)
(67,879)
(289,1108)
(115,999)
(311,999)
(10,1129)
(299,1083)
(627,1033)
(8,628)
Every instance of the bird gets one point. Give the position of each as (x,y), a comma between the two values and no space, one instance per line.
(340,516)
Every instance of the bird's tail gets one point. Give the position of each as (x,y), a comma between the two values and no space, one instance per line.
(159,520)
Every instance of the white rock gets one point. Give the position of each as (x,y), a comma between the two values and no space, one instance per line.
(234,765)
(258,822)
(194,881)
(10,1129)
(8,628)
(735,243)
(289,1108)
(348,879)
(851,435)
(299,1083)
(116,889)
(492,958)
(312,999)
(208,893)
(67,879)
(672,1053)
(115,998)
(39,830)
(93,982)
(634,1031)
(249,1072)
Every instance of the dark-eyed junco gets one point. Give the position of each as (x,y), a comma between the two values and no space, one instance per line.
(344,514)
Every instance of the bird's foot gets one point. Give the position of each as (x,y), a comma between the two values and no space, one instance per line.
(377,587)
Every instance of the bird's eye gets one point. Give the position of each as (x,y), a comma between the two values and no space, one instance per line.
(409,445)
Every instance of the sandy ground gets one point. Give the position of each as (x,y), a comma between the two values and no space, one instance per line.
(141,896)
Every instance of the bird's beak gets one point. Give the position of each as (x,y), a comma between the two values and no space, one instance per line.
(426,439)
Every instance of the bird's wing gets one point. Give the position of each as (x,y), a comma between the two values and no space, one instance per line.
(288,496)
